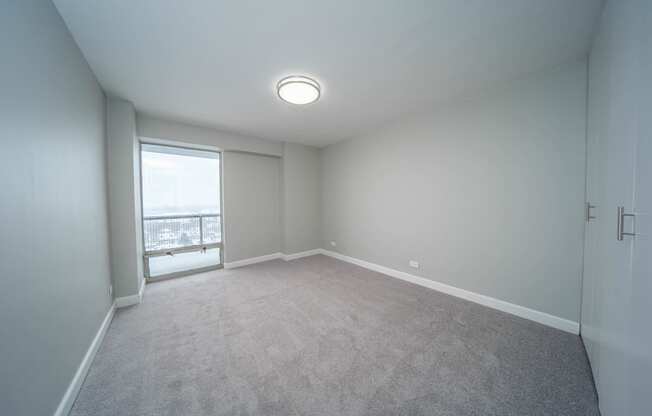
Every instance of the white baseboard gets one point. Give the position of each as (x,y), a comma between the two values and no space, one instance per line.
(125,301)
(294,256)
(252,260)
(273,256)
(521,311)
(73,389)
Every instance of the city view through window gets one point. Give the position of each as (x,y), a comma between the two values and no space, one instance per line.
(181,201)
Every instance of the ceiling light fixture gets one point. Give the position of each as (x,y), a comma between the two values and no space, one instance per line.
(297,89)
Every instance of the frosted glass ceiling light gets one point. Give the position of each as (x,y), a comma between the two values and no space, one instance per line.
(298,89)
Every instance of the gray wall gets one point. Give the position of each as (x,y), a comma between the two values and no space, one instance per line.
(124,197)
(272,195)
(157,128)
(252,191)
(54,260)
(486,193)
(301,198)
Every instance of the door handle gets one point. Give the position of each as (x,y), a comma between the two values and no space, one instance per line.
(621,224)
(589,207)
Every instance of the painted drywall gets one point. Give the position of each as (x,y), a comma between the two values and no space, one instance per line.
(485,193)
(252,193)
(124,197)
(252,223)
(301,198)
(156,128)
(252,169)
(54,261)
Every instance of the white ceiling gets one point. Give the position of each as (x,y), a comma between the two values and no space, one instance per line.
(215,63)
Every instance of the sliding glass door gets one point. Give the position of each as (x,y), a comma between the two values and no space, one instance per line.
(182,215)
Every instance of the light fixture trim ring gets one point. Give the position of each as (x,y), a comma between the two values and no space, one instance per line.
(298,79)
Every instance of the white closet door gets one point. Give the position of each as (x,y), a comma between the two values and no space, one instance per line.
(639,387)
(616,306)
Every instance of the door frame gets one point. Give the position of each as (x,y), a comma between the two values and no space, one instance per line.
(145,256)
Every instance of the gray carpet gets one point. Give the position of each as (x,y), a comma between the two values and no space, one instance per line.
(317,336)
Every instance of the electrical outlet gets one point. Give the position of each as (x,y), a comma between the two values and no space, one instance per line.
(333,244)
(414,264)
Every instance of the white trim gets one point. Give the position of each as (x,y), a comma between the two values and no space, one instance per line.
(252,260)
(294,256)
(521,311)
(177,143)
(273,256)
(141,291)
(73,389)
(125,301)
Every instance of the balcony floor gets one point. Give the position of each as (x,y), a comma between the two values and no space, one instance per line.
(163,265)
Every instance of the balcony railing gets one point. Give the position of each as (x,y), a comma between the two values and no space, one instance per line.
(171,234)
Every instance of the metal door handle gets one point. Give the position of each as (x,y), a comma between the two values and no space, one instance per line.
(621,224)
(589,207)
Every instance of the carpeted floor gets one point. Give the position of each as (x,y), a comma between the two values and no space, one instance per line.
(318,336)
